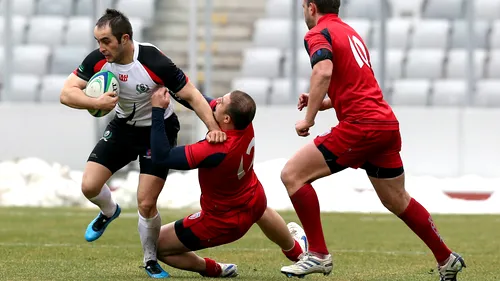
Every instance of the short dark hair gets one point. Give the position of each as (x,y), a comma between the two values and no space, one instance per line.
(118,22)
(326,6)
(241,109)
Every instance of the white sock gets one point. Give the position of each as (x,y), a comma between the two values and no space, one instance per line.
(149,231)
(105,201)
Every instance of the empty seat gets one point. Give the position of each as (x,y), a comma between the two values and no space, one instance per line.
(406,8)
(493,68)
(24,88)
(410,92)
(18,29)
(449,93)
(277,33)
(394,63)
(282,91)
(448,9)
(31,59)
(430,34)
(458,63)
(143,9)
(258,88)
(80,32)
(363,9)
(362,27)
(303,64)
(487,9)
(495,34)
(51,87)
(46,30)
(487,93)
(86,7)
(65,59)
(460,34)
(397,32)
(55,7)
(261,62)
(22,7)
(425,63)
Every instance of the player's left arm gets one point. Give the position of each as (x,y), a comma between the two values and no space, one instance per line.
(180,157)
(319,47)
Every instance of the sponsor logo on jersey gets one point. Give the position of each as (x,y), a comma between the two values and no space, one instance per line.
(81,68)
(194,216)
(142,88)
(123,77)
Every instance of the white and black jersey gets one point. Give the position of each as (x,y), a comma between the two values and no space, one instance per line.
(149,68)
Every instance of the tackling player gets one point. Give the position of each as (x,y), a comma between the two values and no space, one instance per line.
(140,67)
(232,197)
(366,137)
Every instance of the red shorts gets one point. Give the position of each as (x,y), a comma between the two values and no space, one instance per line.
(354,146)
(206,229)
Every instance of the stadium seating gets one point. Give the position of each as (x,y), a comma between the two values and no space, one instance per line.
(426,56)
(52,37)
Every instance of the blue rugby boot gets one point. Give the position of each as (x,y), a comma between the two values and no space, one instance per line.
(96,228)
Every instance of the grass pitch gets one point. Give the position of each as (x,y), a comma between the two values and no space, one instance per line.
(48,244)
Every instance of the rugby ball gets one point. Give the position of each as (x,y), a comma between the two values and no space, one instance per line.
(102,82)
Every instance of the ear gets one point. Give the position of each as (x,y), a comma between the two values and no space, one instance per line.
(227,119)
(314,9)
(125,38)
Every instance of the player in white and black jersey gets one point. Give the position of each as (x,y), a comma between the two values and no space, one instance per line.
(140,68)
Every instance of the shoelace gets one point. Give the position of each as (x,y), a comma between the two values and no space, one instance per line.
(152,267)
(100,222)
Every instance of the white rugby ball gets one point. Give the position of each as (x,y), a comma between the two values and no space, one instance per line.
(102,82)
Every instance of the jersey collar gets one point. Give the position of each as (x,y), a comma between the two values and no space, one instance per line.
(328,17)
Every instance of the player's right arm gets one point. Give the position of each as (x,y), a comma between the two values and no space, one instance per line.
(72,93)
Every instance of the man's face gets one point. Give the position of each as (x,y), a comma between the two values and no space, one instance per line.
(309,14)
(108,44)
(220,113)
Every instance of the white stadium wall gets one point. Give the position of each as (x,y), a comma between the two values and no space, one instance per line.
(436,141)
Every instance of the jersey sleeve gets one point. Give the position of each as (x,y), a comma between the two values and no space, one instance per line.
(205,155)
(318,45)
(162,69)
(199,155)
(92,64)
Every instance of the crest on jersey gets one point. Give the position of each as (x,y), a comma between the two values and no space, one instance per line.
(123,77)
(194,216)
(142,88)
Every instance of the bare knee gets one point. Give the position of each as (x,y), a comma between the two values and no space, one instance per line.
(147,206)
(290,179)
(392,194)
(90,188)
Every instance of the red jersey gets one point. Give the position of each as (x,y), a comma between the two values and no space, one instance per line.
(232,183)
(354,91)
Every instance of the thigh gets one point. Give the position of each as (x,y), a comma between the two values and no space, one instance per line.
(169,243)
(114,149)
(203,230)
(306,165)
(172,127)
(385,162)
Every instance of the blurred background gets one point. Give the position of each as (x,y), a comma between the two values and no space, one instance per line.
(438,62)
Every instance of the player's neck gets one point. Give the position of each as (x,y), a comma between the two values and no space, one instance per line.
(226,127)
(128,56)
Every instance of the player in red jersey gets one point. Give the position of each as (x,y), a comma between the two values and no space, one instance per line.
(232,197)
(366,137)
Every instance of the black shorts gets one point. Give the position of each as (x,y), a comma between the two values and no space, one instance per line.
(122,143)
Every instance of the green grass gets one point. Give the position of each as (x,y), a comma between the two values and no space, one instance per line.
(48,244)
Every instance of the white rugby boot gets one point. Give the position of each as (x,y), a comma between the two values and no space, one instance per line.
(449,271)
(309,264)
(228,270)
(299,235)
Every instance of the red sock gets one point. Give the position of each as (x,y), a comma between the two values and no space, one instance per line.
(420,221)
(306,204)
(212,268)
(294,253)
